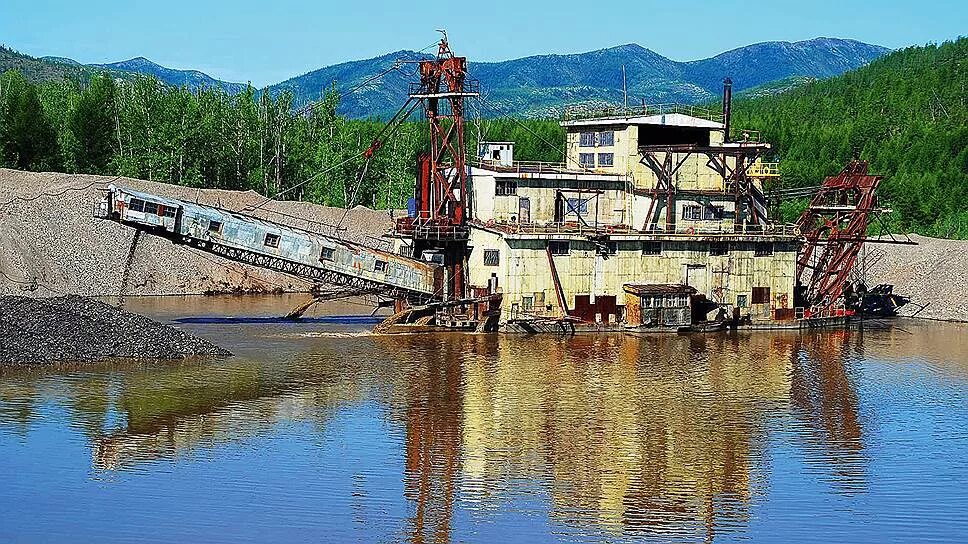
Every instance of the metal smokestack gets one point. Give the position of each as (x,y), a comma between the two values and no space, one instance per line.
(727,106)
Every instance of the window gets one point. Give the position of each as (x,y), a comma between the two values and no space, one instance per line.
(506,187)
(714,213)
(763,250)
(329,254)
(170,211)
(527,304)
(559,248)
(606,138)
(406,251)
(379,266)
(271,240)
(214,226)
(651,248)
(692,213)
(137,205)
(761,295)
(586,139)
(742,301)
(718,249)
(586,159)
(151,207)
(492,257)
(577,205)
(606,159)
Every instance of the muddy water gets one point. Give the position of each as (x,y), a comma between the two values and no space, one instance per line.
(319,431)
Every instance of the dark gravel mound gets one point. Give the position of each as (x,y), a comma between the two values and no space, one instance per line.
(74,328)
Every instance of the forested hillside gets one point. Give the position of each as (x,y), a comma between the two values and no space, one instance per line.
(906,113)
(206,137)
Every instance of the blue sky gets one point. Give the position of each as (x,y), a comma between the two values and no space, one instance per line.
(270,40)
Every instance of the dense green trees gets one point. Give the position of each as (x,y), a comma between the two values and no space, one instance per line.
(906,113)
(206,138)
(27,139)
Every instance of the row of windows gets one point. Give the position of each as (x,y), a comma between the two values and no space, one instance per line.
(655,248)
(506,187)
(587,160)
(597,139)
(700,213)
(144,206)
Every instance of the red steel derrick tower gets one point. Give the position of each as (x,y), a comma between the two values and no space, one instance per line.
(834,226)
(439,224)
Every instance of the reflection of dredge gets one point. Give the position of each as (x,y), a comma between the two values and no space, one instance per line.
(657,200)
(639,451)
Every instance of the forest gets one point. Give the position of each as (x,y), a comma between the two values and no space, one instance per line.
(906,113)
(142,128)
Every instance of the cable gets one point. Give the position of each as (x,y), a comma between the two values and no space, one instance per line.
(61,193)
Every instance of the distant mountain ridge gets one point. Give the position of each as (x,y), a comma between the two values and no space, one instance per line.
(542,85)
(193,79)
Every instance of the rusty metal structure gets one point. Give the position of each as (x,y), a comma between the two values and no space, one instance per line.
(735,162)
(834,227)
(440,222)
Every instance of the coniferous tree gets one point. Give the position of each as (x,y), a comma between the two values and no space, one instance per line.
(27,139)
(92,126)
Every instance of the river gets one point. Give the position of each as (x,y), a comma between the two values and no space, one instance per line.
(319,431)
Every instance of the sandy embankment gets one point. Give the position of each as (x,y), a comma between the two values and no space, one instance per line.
(933,273)
(52,245)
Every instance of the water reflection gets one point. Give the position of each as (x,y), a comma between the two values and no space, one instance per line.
(662,436)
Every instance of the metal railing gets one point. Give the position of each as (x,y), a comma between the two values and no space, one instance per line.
(764,170)
(471,87)
(537,168)
(577,112)
(571,228)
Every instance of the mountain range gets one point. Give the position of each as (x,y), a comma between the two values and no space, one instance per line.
(538,85)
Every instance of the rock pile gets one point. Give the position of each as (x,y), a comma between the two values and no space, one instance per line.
(75,329)
(932,273)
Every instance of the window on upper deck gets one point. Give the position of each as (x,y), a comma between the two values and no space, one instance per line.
(215,226)
(271,240)
(492,257)
(586,160)
(764,249)
(606,159)
(577,205)
(506,187)
(136,205)
(606,138)
(713,213)
(692,213)
(559,248)
(586,139)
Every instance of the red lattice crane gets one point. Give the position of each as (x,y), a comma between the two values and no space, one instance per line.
(835,228)
(440,219)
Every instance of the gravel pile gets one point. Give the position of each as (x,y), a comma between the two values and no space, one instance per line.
(52,245)
(932,273)
(74,328)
